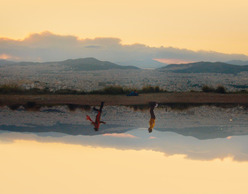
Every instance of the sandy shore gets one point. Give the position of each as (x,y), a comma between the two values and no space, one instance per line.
(187,98)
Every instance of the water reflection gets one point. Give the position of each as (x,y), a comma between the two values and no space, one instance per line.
(169,143)
(29,167)
(126,129)
(152,119)
(97,121)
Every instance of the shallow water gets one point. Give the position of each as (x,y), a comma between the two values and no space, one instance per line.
(200,150)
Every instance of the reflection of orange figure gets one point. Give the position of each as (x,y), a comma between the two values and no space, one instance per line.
(98,118)
(152,119)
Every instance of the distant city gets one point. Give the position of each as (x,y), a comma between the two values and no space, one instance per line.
(91,74)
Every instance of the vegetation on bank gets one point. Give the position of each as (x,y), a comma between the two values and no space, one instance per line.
(116,90)
(110,90)
(219,89)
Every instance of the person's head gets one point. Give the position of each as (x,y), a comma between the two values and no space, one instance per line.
(149,130)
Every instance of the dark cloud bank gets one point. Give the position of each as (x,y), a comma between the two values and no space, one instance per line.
(51,47)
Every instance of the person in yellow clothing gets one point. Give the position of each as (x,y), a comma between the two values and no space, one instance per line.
(153,118)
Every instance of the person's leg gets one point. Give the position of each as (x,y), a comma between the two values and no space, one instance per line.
(152,106)
(101,107)
(152,112)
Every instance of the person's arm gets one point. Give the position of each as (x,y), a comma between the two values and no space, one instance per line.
(103,122)
(89,119)
(95,109)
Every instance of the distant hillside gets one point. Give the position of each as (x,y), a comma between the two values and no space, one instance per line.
(5,62)
(205,67)
(92,64)
(237,62)
(82,64)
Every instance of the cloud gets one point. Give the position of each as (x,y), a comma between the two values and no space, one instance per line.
(47,46)
(121,135)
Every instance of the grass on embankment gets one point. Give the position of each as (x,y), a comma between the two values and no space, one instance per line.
(110,90)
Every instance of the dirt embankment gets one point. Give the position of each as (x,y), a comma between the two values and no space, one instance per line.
(92,100)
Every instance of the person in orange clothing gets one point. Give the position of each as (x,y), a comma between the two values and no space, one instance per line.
(152,119)
(97,121)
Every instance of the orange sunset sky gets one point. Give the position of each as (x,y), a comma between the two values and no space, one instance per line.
(216,25)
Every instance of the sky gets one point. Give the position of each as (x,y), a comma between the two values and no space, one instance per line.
(207,25)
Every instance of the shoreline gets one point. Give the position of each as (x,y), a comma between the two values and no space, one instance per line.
(119,100)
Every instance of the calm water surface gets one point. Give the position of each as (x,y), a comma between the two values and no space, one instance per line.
(200,154)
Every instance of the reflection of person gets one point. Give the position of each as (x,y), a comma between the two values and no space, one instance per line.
(152,119)
(98,117)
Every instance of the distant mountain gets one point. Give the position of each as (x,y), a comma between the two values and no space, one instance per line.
(237,62)
(205,67)
(92,64)
(6,62)
(82,64)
